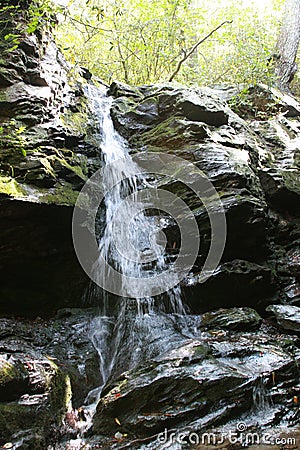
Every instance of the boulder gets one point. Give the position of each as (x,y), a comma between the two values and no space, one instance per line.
(134,113)
(235,319)
(47,369)
(118,89)
(282,188)
(131,118)
(235,283)
(278,164)
(287,316)
(34,395)
(199,384)
(246,227)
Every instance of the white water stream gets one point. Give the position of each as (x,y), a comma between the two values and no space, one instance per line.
(130,330)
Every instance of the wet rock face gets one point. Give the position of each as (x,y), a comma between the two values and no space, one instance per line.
(41,365)
(200,384)
(254,166)
(235,283)
(140,113)
(287,316)
(236,319)
(34,393)
(47,151)
(46,123)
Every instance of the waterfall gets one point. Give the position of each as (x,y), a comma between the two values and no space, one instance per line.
(130,330)
(261,394)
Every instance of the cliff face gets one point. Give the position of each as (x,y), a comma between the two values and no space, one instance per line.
(253,161)
(47,151)
(50,146)
(252,158)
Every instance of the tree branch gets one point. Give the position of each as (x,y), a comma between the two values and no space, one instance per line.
(187,54)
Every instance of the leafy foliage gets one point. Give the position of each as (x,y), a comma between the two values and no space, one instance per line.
(11,136)
(255,102)
(16,20)
(139,42)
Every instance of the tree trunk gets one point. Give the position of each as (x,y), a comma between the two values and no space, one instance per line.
(287,44)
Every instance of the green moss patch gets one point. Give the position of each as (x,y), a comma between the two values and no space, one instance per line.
(8,372)
(173,133)
(62,195)
(9,186)
(291,180)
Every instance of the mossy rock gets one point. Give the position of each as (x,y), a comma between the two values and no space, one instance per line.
(77,120)
(60,393)
(118,89)
(9,372)
(231,319)
(172,133)
(38,412)
(9,186)
(62,195)
(291,180)
(3,75)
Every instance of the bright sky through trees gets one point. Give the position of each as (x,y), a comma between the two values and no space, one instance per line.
(140,42)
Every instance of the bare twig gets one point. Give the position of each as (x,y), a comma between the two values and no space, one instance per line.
(188,53)
(87,25)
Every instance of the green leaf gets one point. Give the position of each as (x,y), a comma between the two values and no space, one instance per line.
(11,49)
(10,36)
(21,130)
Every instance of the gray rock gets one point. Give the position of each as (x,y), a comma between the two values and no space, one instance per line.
(34,394)
(25,340)
(231,319)
(235,283)
(202,109)
(287,316)
(118,89)
(141,113)
(197,385)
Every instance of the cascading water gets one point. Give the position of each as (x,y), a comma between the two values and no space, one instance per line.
(261,394)
(129,330)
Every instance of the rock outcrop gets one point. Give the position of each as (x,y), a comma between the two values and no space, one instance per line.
(47,150)
(219,377)
(236,319)
(287,316)
(46,370)
(253,162)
